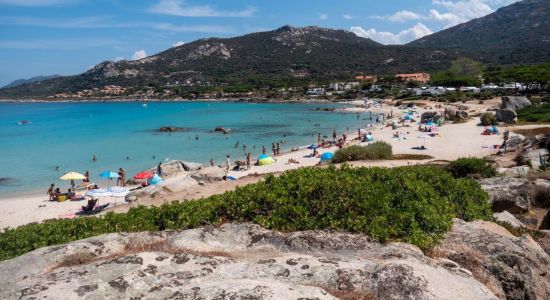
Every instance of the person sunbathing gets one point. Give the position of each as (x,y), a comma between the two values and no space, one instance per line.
(292,161)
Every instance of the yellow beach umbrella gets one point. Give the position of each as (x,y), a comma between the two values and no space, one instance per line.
(72,176)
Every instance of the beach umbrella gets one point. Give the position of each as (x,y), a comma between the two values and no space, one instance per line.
(327,156)
(143,175)
(72,176)
(98,193)
(109,174)
(118,191)
(312,146)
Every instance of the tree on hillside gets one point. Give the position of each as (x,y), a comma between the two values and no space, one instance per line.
(463,72)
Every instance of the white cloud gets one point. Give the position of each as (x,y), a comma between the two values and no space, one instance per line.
(177,44)
(323,16)
(464,10)
(400,16)
(182,9)
(347,17)
(140,54)
(388,38)
(32,3)
(106,22)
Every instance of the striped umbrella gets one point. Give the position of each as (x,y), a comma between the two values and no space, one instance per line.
(118,191)
(98,193)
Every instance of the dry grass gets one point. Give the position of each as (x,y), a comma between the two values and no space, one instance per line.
(350,295)
(532,131)
(411,157)
(134,245)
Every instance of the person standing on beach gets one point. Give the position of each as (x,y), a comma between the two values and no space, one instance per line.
(87,175)
(159,170)
(211,162)
(228,162)
(121,177)
(248,161)
(273,149)
(51,193)
(263,150)
(278,149)
(318,138)
(334,134)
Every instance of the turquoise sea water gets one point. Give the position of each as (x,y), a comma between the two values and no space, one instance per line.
(69,134)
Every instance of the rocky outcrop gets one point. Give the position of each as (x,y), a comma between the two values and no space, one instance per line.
(209,175)
(512,267)
(507,217)
(534,156)
(506,193)
(178,183)
(515,140)
(430,115)
(453,114)
(248,262)
(506,115)
(514,102)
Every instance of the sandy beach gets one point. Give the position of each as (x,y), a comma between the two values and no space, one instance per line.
(453,141)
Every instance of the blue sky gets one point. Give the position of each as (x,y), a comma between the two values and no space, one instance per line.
(42,37)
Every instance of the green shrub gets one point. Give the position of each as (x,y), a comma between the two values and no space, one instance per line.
(488,119)
(413,204)
(374,151)
(535,113)
(463,167)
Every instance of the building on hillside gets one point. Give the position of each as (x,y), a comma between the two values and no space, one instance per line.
(372,78)
(315,92)
(418,77)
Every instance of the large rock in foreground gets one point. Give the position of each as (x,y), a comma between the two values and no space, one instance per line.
(235,262)
(512,267)
(506,193)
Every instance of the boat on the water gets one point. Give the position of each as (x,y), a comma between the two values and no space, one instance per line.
(24,122)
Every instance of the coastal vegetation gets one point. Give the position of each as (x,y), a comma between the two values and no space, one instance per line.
(488,119)
(375,151)
(470,166)
(535,113)
(413,204)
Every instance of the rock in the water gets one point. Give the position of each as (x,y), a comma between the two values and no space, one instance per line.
(515,102)
(506,115)
(236,262)
(171,129)
(209,174)
(512,267)
(507,217)
(506,193)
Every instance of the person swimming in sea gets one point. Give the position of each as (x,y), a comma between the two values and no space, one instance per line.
(94,158)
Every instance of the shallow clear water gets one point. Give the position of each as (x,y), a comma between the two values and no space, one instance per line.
(69,134)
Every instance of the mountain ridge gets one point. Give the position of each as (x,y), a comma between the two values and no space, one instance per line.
(516,34)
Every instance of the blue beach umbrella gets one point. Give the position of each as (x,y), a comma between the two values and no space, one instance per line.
(262,156)
(327,156)
(155,180)
(109,174)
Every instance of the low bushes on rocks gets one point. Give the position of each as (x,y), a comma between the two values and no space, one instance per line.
(411,204)
(468,166)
